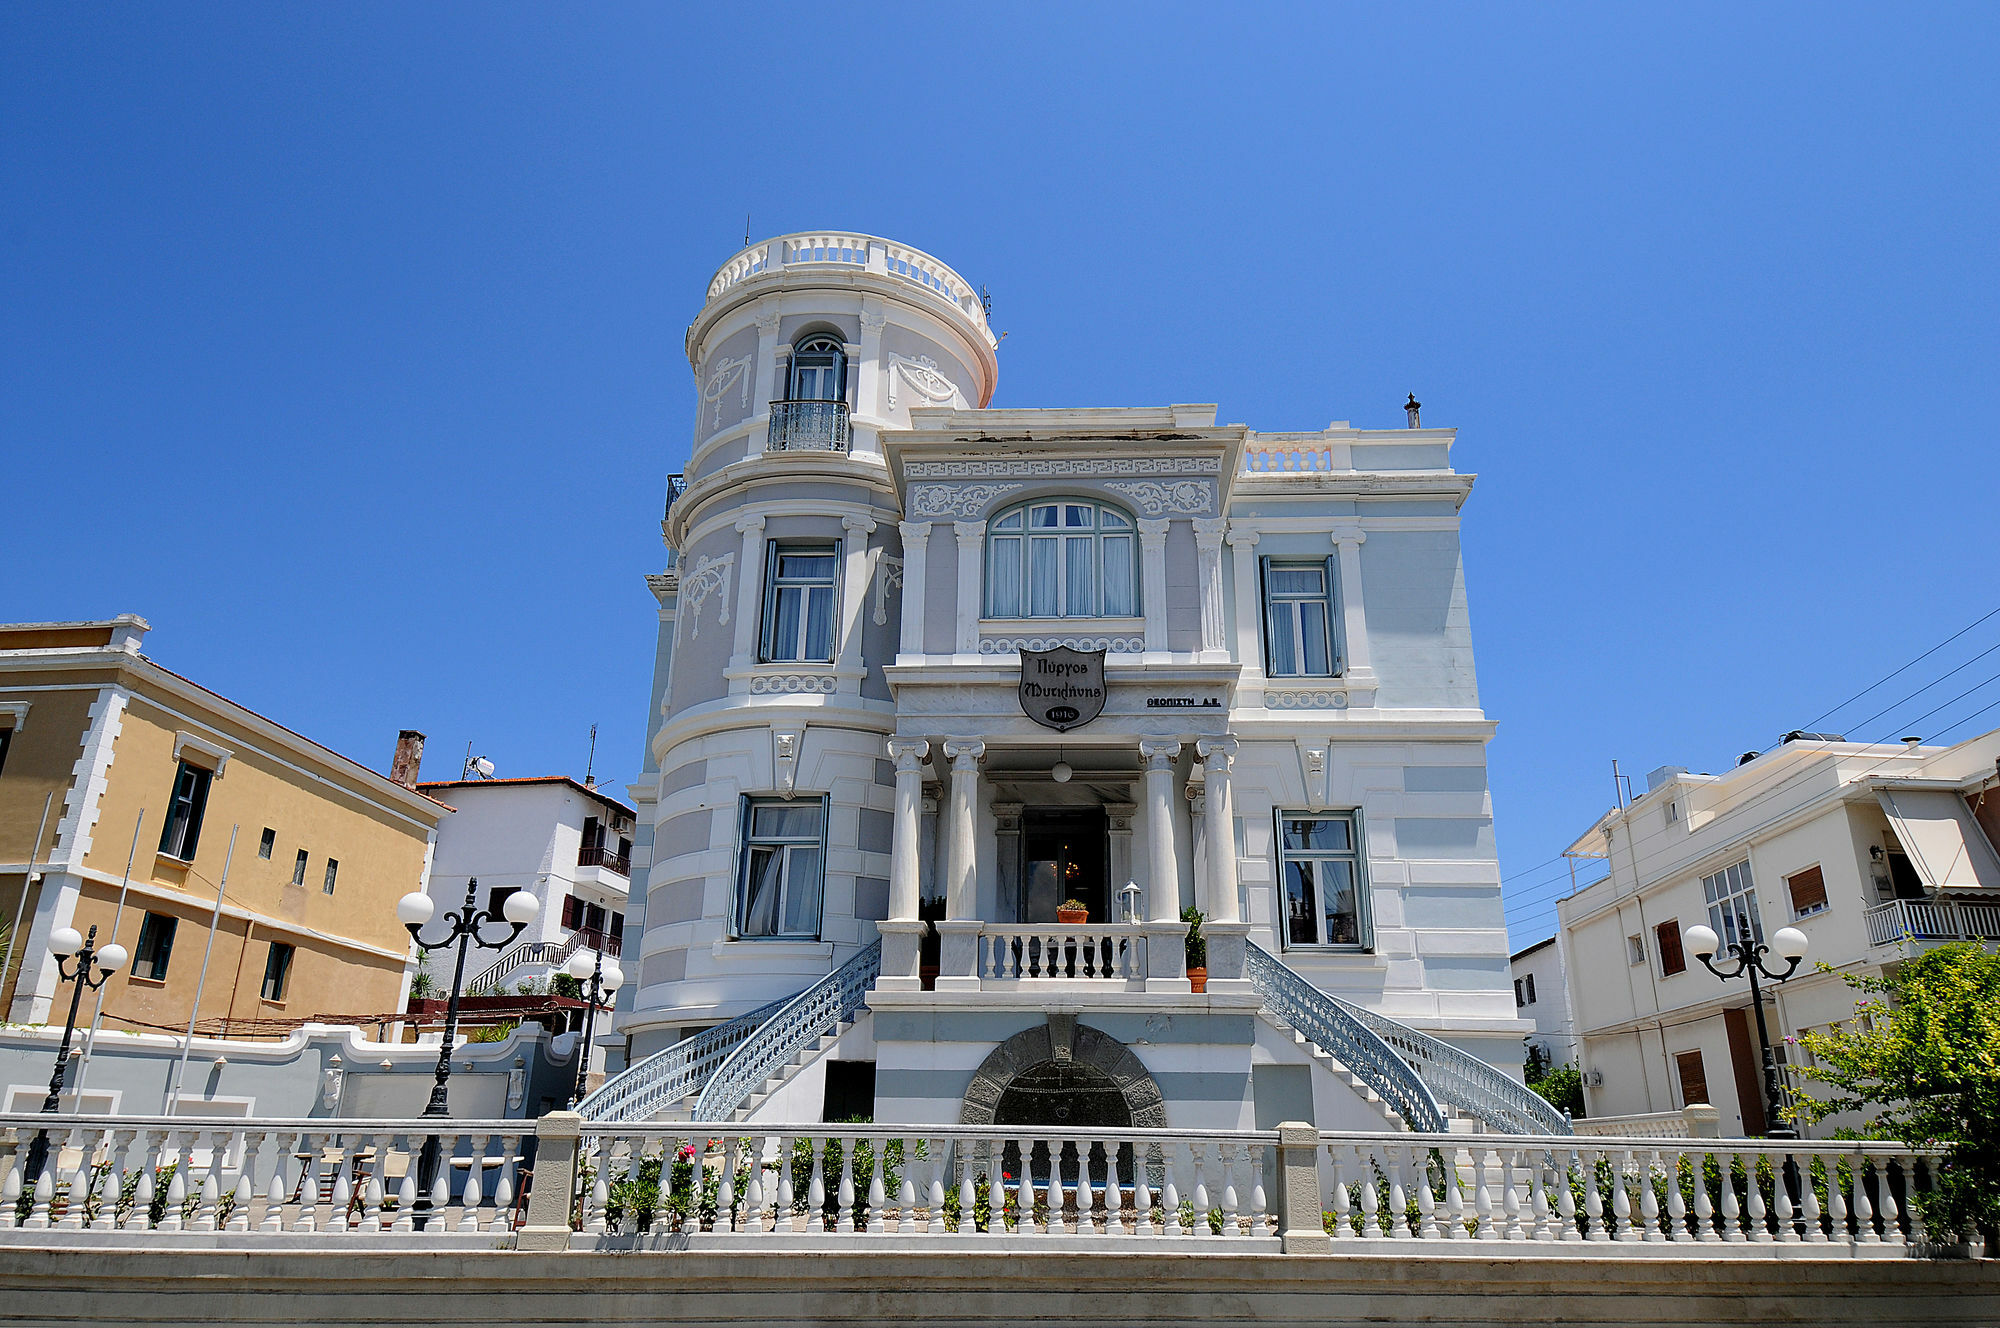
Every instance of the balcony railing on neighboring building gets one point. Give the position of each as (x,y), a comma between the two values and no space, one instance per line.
(597,855)
(808,426)
(590,938)
(1927,920)
(676,486)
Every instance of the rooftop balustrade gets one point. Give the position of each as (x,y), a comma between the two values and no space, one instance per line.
(865,253)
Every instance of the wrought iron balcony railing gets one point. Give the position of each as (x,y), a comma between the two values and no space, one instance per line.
(597,855)
(808,426)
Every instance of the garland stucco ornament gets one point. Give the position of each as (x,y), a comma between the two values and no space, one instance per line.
(728,373)
(1063,1040)
(922,373)
(939,500)
(709,577)
(1173,498)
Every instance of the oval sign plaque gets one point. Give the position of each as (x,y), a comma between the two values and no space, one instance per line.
(1062,688)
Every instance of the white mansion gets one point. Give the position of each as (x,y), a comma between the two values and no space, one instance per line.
(957,710)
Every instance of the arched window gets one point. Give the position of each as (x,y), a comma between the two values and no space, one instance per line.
(819,371)
(1061,558)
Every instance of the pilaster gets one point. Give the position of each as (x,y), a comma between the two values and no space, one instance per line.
(916,553)
(1153,586)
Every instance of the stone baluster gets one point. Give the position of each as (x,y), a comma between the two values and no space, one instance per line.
(407,1192)
(906,1189)
(211,1182)
(1704,1208)
(1170,1188)
(1918,1235)
(1263,1222)
(307,1218)
(1676,1201)
(275,1191)
(816,1189)
(1836,1201)
(1086,1197)
(503,1185)
(1755,1214)
(45,1189)
(934,1188)
(1732,1213)
(440,1195)
(374,1190)
(1201,1201)
(1058,1200)
(844,1195)
(1593,1200)
(1811,1215)
(1782,1171)
(244,1192)
(1859,1204)
(1454,1195)
(140,1218)
(1649,1198)
(1142,1189)
(10,1184)
(1538,1200)
(785,1217)
(1395,1221)
(1371,1200)
(473,1195)
(77,1200)
(1510,1194)
(1892,1219)
(1621,1195)
(1228,1159)
(1566,1224)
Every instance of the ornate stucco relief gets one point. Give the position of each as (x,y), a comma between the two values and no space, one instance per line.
(969,500)
(1038,466)
(727,374)
(921,373)
(1172,498)
(709,577)
(888,576)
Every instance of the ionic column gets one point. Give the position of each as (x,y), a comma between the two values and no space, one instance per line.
(1166,934)
(1355,668)
(916,547)
(1163,892)
(766,370)
(1153,586)
(1227,936)
(971,536)
(854,590)
(1208,545)
(958,934)
(902,933)
(749,585)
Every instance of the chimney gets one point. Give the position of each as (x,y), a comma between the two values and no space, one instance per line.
(1411,409)
(409,757)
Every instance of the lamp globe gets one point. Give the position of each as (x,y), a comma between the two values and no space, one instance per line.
(1790,942)
(1702,941)
(520,908)
(64,942)
(580,964)
(414,909)
(112,958)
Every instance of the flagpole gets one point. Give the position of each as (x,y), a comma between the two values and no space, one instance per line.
(187,1043)
(97,1015)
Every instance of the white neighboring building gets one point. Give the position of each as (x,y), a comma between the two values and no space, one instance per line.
(1874,851)
(848,789)
(568,844)
(1542,994)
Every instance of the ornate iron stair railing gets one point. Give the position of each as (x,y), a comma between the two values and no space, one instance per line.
(1329,1025)
(534,952)
(802,1021)
(1449,1076)
(639,1092)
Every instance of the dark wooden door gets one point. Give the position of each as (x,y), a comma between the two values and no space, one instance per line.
(1749,1072)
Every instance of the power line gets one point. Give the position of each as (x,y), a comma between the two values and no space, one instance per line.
(1814,722)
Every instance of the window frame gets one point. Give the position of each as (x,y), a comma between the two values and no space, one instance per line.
(1723,919)
(299,869)
(775,551)
(284,971)
(1364,921)
(267,843)
(180,835)
(1662,947)
(1329,570)
(748,843)
(155,946)
(1680,1075)
(808,345)
(1026,536)
(6,741)
(332,873)
(1818,872)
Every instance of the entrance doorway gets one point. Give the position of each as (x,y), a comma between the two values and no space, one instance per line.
(1063,857)
(1066,1095)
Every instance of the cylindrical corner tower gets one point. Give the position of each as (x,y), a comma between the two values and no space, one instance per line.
(771,810)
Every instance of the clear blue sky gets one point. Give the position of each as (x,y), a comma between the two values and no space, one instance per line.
(343,342)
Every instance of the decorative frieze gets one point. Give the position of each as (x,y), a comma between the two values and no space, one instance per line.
(1317,698)
(1169,498)
(773,684)
(968,500)
(1116,645)
(1042,466)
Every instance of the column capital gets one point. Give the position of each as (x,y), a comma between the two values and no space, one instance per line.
(767,320)
(1197,797)
(872,319)
(1159,753)
(914,532)
(969,532)
(1216,753)
(1208,531)
(1242,536)
(964,754)
(746,524)
(908,754)
(1349,535)
(861,523)
(1153,531)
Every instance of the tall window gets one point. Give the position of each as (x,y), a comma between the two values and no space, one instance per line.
(267,843)
(1320,861)
(156,946)
(6,740)
(1066,559)
(819,371)
(1667,941)
(783,870)
(299,868)
(798,602)
(277,971)
(332,871)
(1298,618)
(185,806)
(1732,905)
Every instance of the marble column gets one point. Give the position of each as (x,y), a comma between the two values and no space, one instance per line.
(958,934)
(902,933)
(749,585)
(1356,667)
(971,543)
(1227,936)
(1208,546)
(916,548)
(1153,587)
(853,594)
(1166,934)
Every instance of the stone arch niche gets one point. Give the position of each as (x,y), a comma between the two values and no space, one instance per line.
(1063,1049)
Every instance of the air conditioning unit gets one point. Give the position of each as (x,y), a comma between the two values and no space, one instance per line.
(1593,1078)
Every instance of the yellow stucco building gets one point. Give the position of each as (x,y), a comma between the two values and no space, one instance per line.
(96,742)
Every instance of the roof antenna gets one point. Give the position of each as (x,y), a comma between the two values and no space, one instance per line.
(590,765)
(746,230)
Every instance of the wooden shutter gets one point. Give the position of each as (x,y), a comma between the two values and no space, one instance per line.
(1694,1078)
(1672,960)
(1808,891)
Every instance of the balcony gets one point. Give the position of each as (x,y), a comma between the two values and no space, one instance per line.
(592,938)
(808,426)
(597,855)
(1932,922)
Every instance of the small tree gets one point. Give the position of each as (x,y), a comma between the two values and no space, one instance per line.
(1925,1051)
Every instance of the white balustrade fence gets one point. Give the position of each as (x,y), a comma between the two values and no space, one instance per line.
(569,1184)
(1113,951)
(1928,920)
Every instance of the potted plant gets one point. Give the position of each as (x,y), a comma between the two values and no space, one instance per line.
(1072,912)
(1197,949)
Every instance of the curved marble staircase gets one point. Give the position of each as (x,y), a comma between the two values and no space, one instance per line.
(1415,1080)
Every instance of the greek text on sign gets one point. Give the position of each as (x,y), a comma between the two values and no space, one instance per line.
(1062,688)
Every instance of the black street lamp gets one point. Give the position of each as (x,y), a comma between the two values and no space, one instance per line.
(1750,956)
(63,943)
(603,983)
(413,910)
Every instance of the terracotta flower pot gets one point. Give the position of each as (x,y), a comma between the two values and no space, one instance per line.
(1072,917)
(1198,979)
